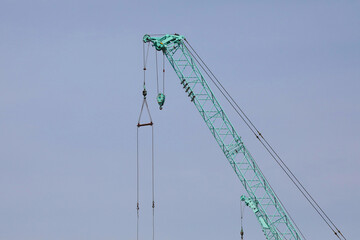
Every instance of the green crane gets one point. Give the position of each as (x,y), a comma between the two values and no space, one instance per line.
(275,222)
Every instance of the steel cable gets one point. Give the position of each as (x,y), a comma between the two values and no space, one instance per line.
(267,145)
(137,183)
(244,122)
(153,179)
(157,73)
(163,73)
(145,56)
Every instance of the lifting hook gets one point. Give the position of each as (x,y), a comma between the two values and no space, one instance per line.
(161,100)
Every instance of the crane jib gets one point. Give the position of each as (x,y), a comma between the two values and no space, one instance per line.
(261,198)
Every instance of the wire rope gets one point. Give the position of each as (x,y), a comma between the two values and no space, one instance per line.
(137,183)
(157,73)
(266,145)
(153,179)
(246,124)
(145,57)
(144,103)
(163,73)
(241,219)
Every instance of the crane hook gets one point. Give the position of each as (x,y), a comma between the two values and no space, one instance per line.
(161,100)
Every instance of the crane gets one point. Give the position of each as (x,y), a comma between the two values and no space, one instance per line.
(271,214)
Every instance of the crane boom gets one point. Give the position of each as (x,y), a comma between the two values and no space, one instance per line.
(274,220)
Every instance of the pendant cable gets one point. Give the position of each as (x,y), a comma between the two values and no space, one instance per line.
(268,147)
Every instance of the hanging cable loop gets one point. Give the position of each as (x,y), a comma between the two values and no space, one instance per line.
(145,107)
(144,92)
(144,103)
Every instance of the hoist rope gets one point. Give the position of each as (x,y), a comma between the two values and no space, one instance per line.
(268,147)
(153,179)
(145,57)
(242,208)
(137,144)
(163,73)
(144,103)
(157,72)
(137,183)
(241,219)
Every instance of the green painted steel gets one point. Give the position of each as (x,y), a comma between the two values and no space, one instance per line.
(274,221)
(161,100)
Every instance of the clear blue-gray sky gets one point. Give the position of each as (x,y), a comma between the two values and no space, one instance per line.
(70,94)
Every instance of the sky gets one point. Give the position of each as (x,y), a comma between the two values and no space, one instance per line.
(70,94)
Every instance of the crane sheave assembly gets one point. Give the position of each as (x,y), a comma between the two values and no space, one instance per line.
(272,216)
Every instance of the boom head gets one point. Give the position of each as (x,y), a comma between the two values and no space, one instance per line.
(162,43)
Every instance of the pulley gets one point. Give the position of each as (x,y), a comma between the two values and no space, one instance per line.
(161,100)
